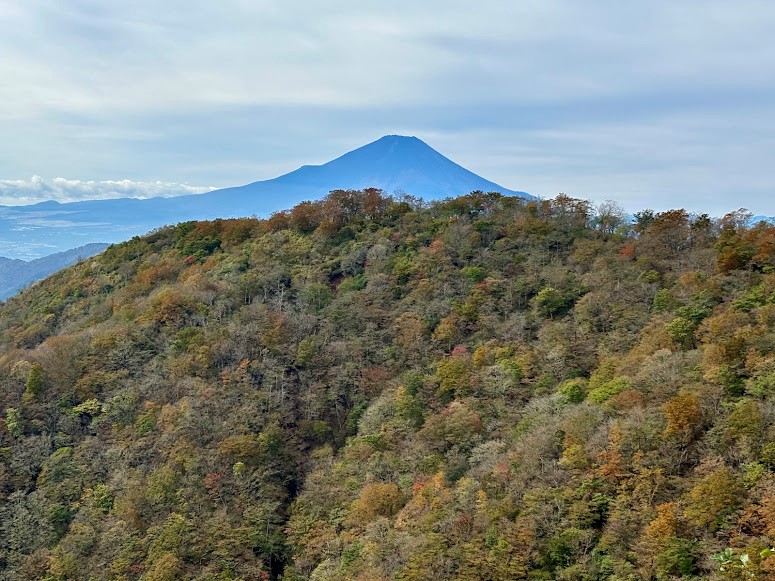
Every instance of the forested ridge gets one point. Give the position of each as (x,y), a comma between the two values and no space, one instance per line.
(370,388)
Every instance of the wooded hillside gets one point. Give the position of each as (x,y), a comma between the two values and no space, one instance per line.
(371,388)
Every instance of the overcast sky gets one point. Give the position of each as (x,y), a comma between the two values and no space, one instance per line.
(654,104)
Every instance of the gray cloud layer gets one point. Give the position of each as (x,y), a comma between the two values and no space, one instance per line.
(656,104)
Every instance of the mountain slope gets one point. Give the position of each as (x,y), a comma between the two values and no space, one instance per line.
(392,163)
(17,274)
(358,388)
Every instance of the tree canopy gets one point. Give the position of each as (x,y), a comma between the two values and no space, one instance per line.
(370,388)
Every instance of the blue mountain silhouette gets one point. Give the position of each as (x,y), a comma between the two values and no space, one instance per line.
(393,163)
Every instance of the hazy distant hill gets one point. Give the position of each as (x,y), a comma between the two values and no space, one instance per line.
(393,163)
(16,274)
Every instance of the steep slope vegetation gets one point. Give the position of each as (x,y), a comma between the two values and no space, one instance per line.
(367,388)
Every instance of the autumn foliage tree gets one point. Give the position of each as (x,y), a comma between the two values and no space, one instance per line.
(376,387)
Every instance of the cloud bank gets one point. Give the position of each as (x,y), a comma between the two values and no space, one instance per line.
(37,189)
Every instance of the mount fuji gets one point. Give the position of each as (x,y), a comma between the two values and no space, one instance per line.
(394,163)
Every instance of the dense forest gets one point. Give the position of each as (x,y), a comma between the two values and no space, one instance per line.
(372,388)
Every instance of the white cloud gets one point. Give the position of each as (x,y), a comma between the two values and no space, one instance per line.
(103,57)
(37,189)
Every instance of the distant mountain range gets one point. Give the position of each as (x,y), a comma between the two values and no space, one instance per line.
(17,274)
(393,163)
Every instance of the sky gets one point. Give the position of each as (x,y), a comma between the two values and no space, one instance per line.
(659,104)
